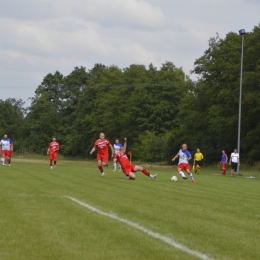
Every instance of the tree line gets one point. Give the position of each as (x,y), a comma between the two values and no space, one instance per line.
(157,109)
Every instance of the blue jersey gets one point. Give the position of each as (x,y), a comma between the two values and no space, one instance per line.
(224,158)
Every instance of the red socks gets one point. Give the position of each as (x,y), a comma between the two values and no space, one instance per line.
(101,169)
(144,171)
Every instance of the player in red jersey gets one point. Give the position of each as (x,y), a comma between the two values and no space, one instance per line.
(129,168)
(53,149)
(102,156)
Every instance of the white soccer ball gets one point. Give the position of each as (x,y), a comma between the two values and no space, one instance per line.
(174,178)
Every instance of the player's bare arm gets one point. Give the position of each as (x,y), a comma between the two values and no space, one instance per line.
(125,142)
(175,157)
(190,159)
(48,151)
(112,150)
(93,150)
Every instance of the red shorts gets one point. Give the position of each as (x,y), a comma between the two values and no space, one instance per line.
(6,153)
(102,157)
(53,156)
(183,166)
(128,169)
(223,165)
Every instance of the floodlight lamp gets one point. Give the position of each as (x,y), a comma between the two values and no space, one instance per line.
(242,32)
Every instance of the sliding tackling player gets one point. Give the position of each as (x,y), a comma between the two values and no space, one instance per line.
(128,168)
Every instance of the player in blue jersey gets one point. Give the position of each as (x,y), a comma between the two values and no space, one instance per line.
(184,157)
(117,147)
(7,148)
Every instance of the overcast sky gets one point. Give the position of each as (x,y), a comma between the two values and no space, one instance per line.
(38,37)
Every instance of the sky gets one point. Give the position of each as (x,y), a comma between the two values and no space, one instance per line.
(43,36)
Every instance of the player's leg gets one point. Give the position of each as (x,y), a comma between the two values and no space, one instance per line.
(7,157)
(51,159)
(232,169)
(119,166)
(144,171)
(55,155)
(100,167)
(10,156)
(114,164)
(105,160)
(131,176)
(3,158)
(180,171)
(235,170)
(190,174)
(223,168)
(198,167)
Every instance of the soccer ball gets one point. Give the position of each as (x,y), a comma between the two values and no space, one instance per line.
(174,178)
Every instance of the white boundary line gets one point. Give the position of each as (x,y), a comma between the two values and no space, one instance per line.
(149,232)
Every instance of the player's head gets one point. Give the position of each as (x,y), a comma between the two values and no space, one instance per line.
(223,151)
(101,136)
(122,149)
(5,136)
(184,147)
(54,139)
(235,150)
(198,150)
(117,141)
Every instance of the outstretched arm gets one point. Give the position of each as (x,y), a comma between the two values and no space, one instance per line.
(175,157)
(125,141)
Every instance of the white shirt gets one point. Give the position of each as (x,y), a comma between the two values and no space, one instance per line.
(117,147)
(183,156)
(234,157)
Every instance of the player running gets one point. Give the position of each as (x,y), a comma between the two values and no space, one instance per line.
(117,147)
(223,162)
(102,156)
(184,157)
(198,157)
(53,149)
(7,147)
(129,168)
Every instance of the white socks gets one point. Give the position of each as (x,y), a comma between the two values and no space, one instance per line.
(114,164)
(182,174)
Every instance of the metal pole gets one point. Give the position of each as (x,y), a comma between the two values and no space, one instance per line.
(240,102)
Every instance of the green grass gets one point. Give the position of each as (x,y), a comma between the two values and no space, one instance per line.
(218,216)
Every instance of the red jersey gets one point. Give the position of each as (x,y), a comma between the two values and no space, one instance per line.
(54,146)
(122,159)
(102,146)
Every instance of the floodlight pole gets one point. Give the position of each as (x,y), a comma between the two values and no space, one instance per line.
(242,33)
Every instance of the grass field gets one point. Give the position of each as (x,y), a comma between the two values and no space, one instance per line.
(41,216)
